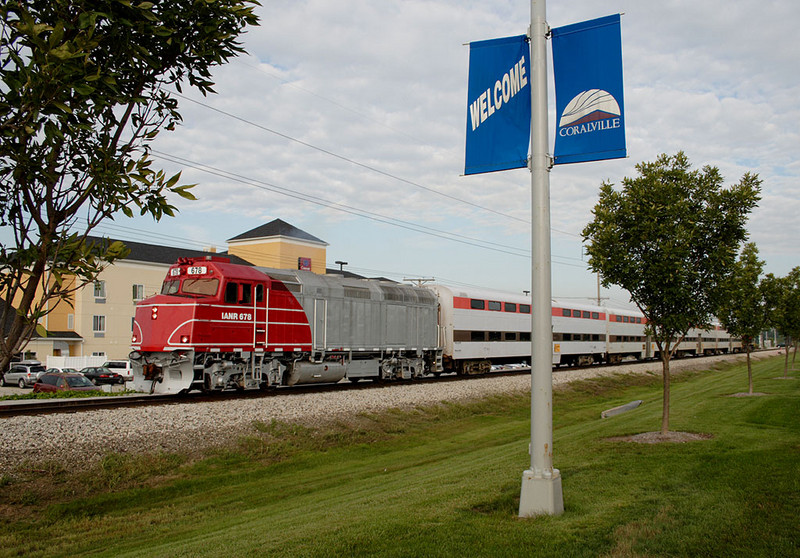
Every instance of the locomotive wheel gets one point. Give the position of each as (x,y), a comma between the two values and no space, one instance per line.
(206,384)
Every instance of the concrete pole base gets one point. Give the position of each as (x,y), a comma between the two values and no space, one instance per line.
(541,495)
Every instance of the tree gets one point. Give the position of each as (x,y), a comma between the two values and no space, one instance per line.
(745,308)
(670,238)
(787,311)
(85,90)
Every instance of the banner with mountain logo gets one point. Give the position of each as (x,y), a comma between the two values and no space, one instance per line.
(590,117)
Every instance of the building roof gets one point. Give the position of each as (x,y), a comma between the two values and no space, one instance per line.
(37,334)
(154,253)
(59,335)
(277,228)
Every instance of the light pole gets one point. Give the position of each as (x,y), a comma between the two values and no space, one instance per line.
(541,484)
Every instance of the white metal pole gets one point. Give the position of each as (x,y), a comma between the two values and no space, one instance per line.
(541,484)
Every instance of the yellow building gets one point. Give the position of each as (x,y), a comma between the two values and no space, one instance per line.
(100,320)
(281,245)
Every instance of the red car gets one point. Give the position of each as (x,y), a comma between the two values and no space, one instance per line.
(62,381)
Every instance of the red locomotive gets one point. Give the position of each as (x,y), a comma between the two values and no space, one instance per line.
(218,325)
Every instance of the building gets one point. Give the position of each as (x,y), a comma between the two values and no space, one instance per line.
(100,319)
(281,245)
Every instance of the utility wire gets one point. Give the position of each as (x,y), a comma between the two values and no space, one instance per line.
(359,164)
(263,185)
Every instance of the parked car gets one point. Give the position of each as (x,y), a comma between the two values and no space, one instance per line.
(122,367)
(102,375)
(61,369)
(63,381)
(23,373)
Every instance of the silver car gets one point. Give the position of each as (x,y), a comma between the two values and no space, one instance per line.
(23,374)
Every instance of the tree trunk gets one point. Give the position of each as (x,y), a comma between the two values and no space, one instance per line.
(749,371)
(786,360)
(21,330)
(665,373)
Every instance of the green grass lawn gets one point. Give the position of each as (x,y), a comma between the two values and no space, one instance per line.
(445,481)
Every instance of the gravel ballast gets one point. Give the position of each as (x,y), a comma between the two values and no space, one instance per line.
(77,438)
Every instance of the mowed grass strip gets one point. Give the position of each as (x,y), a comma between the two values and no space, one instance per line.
(445,481)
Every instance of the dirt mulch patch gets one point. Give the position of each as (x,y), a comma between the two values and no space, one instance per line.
(659,438)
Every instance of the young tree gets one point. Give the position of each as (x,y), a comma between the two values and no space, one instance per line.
(787,311)
(85,89)
(745,307)
(670,238)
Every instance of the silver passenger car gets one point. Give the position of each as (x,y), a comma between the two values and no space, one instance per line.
(23,374)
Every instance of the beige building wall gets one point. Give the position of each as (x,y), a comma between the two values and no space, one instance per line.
(104,315)
(280,252)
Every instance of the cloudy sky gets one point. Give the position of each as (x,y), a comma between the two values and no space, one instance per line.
(347,119)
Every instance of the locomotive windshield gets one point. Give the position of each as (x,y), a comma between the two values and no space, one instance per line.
(170,286)
(203,286)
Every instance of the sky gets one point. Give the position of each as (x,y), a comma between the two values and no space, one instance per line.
(348,120)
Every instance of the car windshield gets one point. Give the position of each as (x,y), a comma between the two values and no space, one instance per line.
(78,381)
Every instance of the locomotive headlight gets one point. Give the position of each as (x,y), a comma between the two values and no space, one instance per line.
(184,338)
(154,313)
(134,339)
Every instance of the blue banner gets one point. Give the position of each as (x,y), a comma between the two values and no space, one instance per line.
(587,65)
(498,105)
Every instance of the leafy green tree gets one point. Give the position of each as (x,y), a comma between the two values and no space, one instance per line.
(669,238)
(85,89)
(746,305)
(787,311)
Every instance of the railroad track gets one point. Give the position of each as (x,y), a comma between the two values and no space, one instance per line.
(75,405)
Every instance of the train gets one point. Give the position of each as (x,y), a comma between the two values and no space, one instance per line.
(216,325)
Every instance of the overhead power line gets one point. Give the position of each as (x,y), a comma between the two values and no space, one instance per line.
(357,163)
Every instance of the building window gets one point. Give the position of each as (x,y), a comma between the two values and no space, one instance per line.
(99,326)
(70,322)
(138,292)
(99,289)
